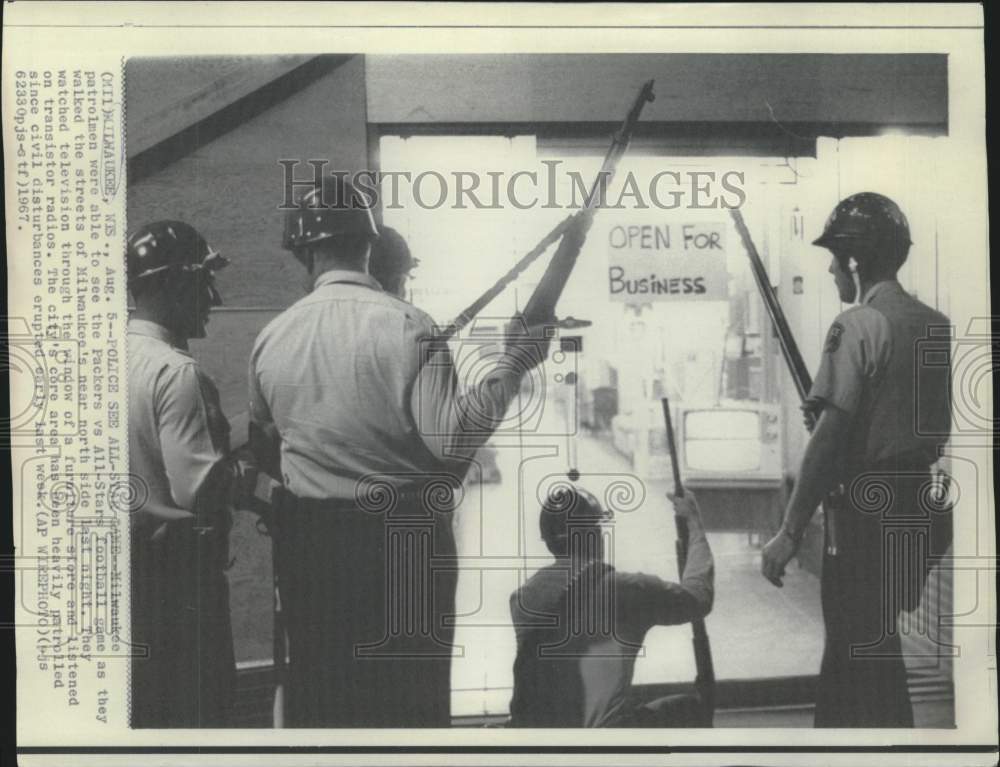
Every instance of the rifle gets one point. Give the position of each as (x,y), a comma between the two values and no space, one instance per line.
(704,682)
(263,445)
(793,358)
(279,648)
(541,305)
(267,524)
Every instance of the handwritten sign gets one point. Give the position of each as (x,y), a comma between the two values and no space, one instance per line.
(672,261)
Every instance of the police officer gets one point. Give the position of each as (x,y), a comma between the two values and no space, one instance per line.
(183,669)
(365,406)
(580,623)
(882,414)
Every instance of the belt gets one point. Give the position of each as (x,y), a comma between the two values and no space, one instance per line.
(914,460)
(911,462)
(403,501)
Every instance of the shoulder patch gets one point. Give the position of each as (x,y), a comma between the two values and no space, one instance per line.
(833,338)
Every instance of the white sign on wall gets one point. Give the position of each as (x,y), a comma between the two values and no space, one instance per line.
(672,261)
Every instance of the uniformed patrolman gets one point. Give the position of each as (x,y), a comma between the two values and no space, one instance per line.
(183,670)
(365,406)
(883,413)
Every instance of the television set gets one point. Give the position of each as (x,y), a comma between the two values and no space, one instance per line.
(730,445)
(734,444)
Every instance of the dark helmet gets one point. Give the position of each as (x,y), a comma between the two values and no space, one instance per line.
(390,257)
(566,507)
(328,210)
(867,217)
(163,245)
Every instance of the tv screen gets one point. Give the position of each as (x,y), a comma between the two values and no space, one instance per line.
(722,440)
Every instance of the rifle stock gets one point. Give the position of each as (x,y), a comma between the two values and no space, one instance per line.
(541,306)
(268,525)
(280,650)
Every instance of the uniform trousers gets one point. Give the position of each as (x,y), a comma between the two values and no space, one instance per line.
(183,667)
(369,599)
(884,542)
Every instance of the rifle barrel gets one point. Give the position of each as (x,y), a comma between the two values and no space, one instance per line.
(790,350)
(555,276)
(672,446)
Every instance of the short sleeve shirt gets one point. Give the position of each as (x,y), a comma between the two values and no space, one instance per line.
(357,385)
(177,430)
(876,367)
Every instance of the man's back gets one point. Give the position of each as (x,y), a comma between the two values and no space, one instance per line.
(335,374)
(910,410)
(885,363)
(360,392)
(578,637)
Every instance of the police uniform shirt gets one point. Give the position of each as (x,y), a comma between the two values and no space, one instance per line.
(885,363)
(177,431)
(346,377)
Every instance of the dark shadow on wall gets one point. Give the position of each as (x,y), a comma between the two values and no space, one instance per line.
(227,116)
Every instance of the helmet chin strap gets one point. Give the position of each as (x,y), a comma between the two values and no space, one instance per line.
(306,258)
(852,268)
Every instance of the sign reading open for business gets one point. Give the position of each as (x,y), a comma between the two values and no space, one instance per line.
(667,262)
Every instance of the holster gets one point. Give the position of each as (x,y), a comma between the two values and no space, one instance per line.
(892,514)
(833,511)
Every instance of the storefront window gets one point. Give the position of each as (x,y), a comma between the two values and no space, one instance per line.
(698,337)
(594,408)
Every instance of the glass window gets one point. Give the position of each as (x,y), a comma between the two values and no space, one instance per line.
(595,409)
(595,406)
(712,358)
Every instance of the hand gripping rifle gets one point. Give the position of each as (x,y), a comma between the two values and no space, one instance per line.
(796,365)
(571,233)
(704,682)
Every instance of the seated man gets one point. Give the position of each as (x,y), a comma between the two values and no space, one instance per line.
(580,623)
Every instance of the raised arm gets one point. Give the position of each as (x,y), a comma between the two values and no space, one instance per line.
(455,418)
(666,603)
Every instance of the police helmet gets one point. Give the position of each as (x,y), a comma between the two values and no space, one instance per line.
(332,208)
(870,218)
(164,245)
(569,506)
